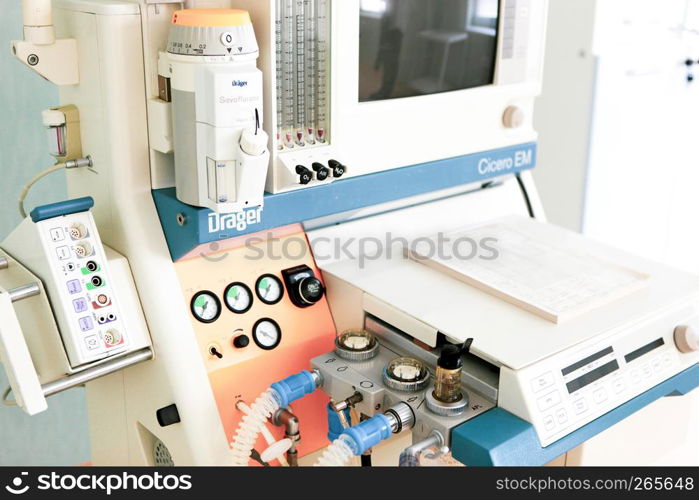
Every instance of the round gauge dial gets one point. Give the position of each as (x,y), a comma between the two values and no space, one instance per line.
(238,298)
(266,334)
(269,289)
(406,374)
(206,307)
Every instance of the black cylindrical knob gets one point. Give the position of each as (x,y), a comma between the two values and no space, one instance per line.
(310,290)
(241,341)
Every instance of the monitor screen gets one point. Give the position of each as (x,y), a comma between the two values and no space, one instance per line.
(412,47)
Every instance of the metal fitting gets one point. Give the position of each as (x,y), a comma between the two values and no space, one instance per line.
(318,378)
(80,162)
(348,403)
(290,422)
(401,417)
(410,457)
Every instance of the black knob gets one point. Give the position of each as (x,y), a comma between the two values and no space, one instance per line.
(689,62)
(241,341)
(337,168)
(310,290)
(303,286)
(305,175)
(322,172)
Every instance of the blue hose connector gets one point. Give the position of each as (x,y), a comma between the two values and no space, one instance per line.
(369,433)
(294,387)
(335,427)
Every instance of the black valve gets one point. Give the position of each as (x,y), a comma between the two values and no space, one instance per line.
(305,175)
(303,286)
(337,168)
(322,172)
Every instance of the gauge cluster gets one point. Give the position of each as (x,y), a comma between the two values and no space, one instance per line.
(253,305)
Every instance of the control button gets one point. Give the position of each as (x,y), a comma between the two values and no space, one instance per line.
(80,305)
(686,339)
(241,341)
(542,382)
(74,286)
(303,286)
(322,172)
(618,385)
(63,252)
(86,324)
(561,415)
(580,406)
(513,117)
(600,396)
(57,234)
(227,39)
(92,342)
(635,376)
(549,422)
(646,371)
(305,175)
(337,168)
(667,360)
(656,364)
(549,401)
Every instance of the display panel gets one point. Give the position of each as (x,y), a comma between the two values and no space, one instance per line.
(412,47)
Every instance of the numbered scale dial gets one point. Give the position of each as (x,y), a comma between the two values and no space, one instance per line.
(206,307)
(267,334)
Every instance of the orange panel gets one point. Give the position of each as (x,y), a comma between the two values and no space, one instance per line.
(306,332)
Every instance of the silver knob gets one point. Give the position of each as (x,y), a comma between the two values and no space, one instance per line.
(401,417)
(446,409)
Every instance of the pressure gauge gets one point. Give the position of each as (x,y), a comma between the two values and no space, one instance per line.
(238,298)
(356,345)
(269,289)
(266,334)
(206,307)
(406,374)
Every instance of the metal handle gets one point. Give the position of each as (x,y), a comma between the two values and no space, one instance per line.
(106,368)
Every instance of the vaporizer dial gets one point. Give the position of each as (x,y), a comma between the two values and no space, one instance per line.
(212,33)
(206,307)
(238,298)
(269,289)
(266,334)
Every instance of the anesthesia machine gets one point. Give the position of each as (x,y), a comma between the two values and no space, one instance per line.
(297,229)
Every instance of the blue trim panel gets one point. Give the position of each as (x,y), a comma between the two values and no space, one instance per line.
(340,196)
(498,437)
(61,208)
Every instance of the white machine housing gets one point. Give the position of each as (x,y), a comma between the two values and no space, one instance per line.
(626,346)
(374,136)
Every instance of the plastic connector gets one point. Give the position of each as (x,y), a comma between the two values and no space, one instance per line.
(335,427)
(294,387)
(369,433)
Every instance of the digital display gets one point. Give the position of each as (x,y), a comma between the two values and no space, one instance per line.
(644,350)
(592,376)
(412,47)
(594,357)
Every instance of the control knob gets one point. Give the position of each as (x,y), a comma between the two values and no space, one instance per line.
(687,339)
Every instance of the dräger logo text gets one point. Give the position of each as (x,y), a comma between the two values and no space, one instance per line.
(239,83)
